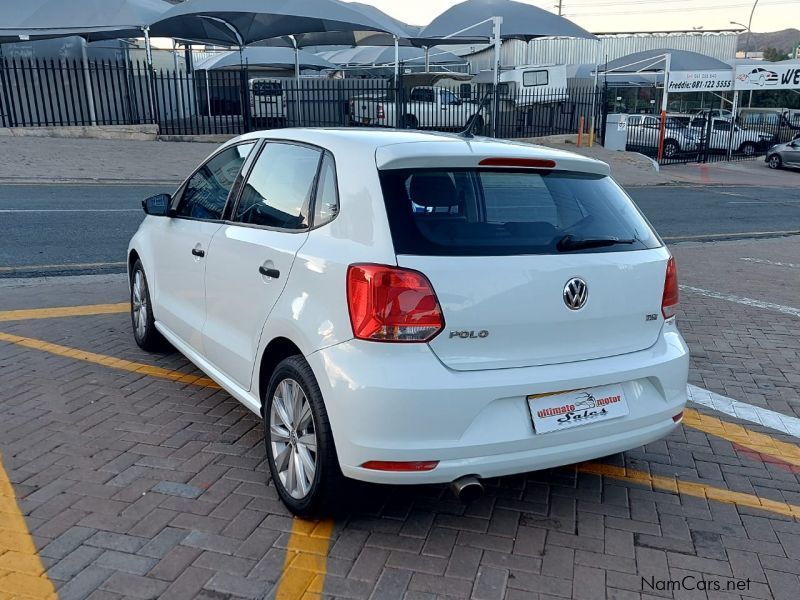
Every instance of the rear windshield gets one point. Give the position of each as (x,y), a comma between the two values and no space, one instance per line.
(478,212)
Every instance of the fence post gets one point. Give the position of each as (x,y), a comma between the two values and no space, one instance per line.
(10,113)
(244,95)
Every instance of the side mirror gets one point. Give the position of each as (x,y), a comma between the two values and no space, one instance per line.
(157,206)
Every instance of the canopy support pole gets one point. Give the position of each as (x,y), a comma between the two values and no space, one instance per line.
(148,57)
(664,98)
(396,58)
(497,22)
(297,112)
(427,59)
(595,94)
(87,79)
(734,108)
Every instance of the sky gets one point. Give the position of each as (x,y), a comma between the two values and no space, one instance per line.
(631,15)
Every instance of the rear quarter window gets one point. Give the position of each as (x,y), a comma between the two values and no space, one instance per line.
(480,212)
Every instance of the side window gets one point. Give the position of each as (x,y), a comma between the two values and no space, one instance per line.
(422,95)
(326,204)
(531,78)
(278,191)
(207,190)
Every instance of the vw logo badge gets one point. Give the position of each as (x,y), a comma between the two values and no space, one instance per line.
(576,293)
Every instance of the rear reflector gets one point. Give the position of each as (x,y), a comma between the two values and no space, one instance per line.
(390,304)
(669,302)
(385,465)
(678,418)
(530,163)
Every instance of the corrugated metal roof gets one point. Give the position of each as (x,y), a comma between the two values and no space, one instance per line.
(546,51)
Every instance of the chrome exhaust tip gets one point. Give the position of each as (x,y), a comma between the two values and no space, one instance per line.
(467,489)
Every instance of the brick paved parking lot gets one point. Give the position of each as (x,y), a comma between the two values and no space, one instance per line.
(130,475)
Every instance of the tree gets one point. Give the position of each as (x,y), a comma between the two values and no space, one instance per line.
(774,55)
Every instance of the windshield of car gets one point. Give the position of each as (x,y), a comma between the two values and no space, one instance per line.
(480,212)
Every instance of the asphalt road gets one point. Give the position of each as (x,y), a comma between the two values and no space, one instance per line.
(77,229)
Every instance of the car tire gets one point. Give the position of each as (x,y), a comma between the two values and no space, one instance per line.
(748,148)
(774,162)
(295,442)
(410,122)
(671,148)
(142,319)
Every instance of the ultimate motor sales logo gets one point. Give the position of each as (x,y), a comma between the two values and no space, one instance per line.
(586,406)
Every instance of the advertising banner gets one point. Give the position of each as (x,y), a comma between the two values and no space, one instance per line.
(700,81)
(768,76)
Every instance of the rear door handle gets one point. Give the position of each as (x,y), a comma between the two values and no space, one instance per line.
(274,273)
(198,253)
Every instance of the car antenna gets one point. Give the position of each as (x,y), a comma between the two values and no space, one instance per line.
(473,120)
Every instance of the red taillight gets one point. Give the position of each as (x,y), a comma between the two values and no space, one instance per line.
(533,163)
(385,465)
(390,304)
(678,418)
(381,114)
(669,302)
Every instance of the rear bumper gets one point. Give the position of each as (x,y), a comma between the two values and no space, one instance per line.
(394,402)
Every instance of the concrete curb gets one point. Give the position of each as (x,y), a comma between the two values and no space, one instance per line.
(148,133)
(210,139)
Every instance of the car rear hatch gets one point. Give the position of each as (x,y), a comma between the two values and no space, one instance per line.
(530,266)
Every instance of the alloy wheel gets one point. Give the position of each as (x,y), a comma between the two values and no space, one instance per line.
(139,304)
(293,438)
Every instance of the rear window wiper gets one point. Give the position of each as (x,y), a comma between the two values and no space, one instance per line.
(570,242)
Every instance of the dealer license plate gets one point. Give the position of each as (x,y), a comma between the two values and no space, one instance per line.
(564,410)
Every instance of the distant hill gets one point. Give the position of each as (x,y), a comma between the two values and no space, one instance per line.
(786,39)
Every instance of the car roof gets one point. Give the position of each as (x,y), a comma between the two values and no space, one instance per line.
(394,148)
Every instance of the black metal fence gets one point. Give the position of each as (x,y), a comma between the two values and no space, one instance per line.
(36,93)
(704,137)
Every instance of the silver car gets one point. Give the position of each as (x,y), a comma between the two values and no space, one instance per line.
(784,155)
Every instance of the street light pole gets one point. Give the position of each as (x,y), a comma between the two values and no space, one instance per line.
(748,27)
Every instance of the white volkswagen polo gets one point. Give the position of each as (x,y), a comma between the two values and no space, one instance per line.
(406,308)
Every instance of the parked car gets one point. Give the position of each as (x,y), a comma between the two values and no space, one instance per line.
(780,122)
(722,113)
(428,107)
(481,336)
(644,133)
(725,133)
(784,155)
(267,102)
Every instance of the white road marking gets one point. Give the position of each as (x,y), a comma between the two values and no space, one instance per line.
(67,210)
(761,201)
(742,410)
(787,310)
(764,261)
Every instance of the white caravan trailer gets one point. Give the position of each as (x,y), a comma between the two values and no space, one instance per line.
(530,84)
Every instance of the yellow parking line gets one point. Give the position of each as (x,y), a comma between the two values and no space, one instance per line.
(758,442)
(107,361)
(22,574)
(306,560)
(688,488)
(64,311)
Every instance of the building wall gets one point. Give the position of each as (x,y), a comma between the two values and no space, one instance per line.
(577,51)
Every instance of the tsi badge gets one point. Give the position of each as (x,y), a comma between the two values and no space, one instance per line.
(469,335)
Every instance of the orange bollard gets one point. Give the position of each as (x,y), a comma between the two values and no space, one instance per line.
(662,131)
(580,132)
